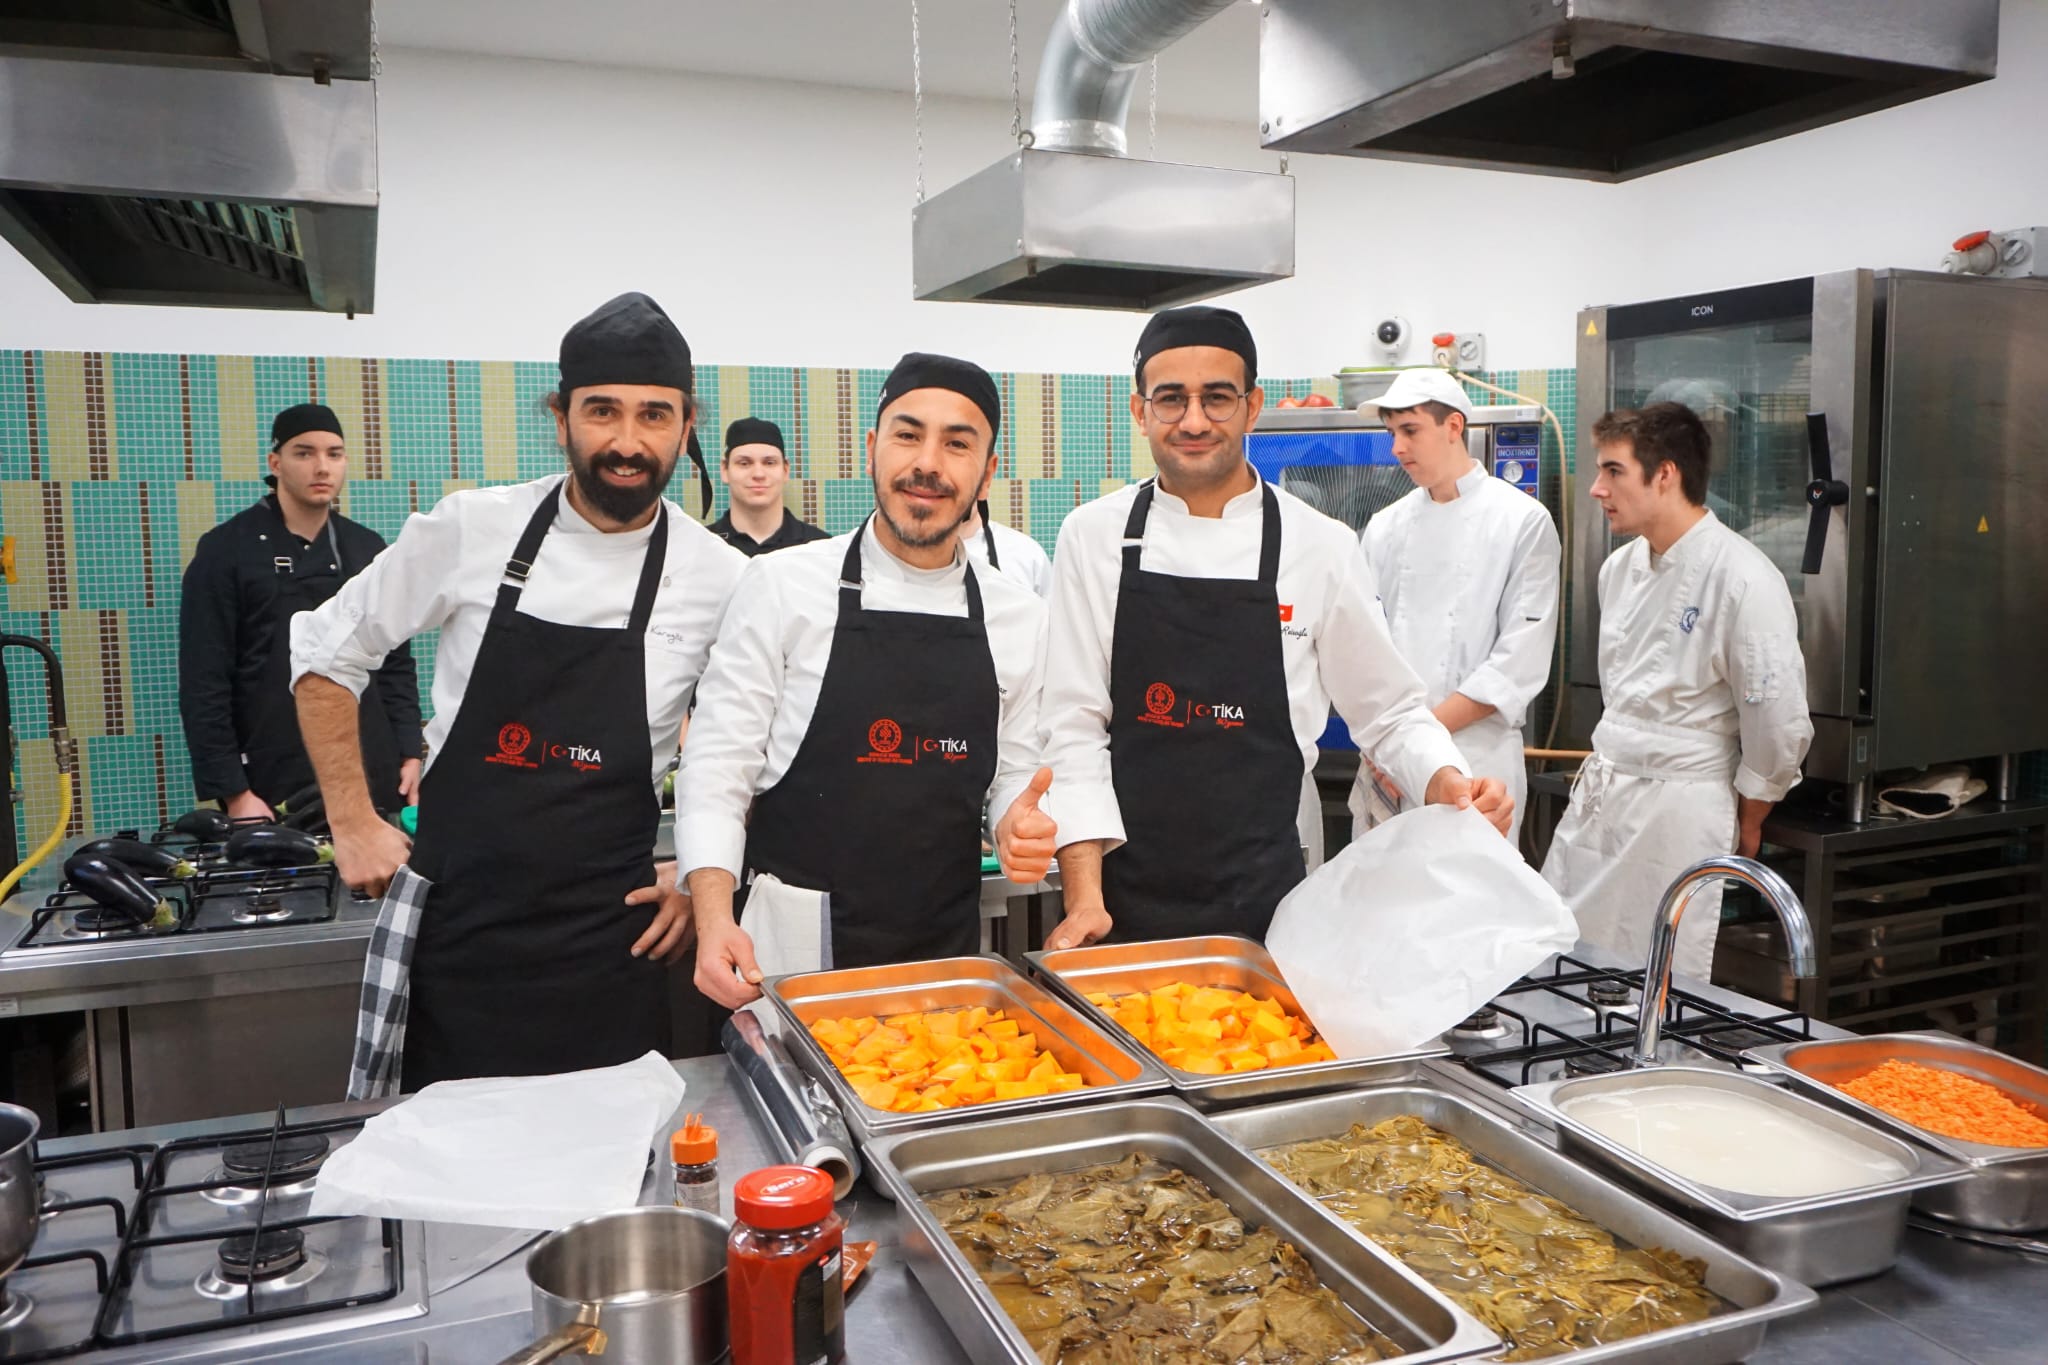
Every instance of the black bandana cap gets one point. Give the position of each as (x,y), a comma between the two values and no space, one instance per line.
(630,340)
(1197,326)
(753,431)
(918,370)
(297,420)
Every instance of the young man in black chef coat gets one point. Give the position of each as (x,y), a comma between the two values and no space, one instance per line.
(575,613)
(248,577)
(1203,622)
(755,470)
(868,697)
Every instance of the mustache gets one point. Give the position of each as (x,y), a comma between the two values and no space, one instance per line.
(618,463)
(916,482)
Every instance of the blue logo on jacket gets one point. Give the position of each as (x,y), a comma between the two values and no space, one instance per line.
(1689,618)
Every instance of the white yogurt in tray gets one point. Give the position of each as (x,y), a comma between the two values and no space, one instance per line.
(1733,1141)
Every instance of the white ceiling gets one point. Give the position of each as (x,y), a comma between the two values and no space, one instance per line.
(1211,74)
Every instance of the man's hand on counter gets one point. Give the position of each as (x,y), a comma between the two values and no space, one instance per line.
(1487,795)
(723,948)
(671,932)
(367,853)
(1026,836)
(1081,892)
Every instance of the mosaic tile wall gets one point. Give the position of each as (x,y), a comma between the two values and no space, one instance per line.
(113,465)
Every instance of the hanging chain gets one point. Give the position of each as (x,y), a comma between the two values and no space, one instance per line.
(1018,131)
(376,59)
(917,96)
(1283,163)
(1152,114)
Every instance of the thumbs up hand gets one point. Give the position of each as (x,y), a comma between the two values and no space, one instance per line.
(1026,836)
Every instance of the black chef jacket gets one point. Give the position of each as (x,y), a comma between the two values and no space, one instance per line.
(226,631)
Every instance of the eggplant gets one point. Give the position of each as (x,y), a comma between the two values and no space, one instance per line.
(144,860)
(114,887)
(207,826)
(272,846)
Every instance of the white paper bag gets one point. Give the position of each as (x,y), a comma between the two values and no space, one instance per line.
(511,1152)
(1412,927)
(790,928)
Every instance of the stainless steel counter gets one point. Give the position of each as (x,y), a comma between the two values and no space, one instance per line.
(1946,1303)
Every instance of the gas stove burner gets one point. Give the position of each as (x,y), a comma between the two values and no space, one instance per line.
(96,920)
(1592,1064)
(1484,1022)
(1609,994)
(277,1262)
(264,907)
(297,1161)
(14,1308)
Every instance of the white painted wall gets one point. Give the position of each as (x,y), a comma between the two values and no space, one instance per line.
(773,221)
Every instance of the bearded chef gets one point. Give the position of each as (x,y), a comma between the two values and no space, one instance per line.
(1467,570)
(1203,622)
(867,698)
(1703,688)
(525,930)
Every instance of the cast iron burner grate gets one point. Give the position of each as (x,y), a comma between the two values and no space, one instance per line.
(1690,1021)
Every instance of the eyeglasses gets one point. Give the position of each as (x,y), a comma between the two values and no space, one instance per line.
(1218,405)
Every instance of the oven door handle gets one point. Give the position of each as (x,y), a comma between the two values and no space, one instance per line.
(1823,495)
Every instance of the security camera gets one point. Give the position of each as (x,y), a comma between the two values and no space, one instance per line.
(1390,338)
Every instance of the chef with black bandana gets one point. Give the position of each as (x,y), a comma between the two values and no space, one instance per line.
(867,698)
(1203,622)
(249,577)
(754,470)
(575,615)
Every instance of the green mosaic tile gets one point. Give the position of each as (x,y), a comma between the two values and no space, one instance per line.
(106,551)
(14,416)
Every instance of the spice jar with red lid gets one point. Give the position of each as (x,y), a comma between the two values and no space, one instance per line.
(782,1269)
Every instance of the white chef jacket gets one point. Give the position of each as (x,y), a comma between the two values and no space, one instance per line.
(761,686)
(443,573)
(1334,643)
(1704,699)
(1023,558)
(1470,591)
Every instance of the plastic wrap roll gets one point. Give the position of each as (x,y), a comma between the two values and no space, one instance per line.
(803,1122)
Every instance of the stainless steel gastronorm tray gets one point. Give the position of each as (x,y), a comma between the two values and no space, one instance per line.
(1817,1239)
(1108,1065)
(1225,961)
(1755,1296)
(2007,1188)
(1368,1280)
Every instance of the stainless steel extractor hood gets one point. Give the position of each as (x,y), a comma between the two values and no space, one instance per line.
(195,152)
(1599,89)
(1070,220)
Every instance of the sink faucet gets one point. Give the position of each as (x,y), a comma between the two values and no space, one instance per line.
(1664,936)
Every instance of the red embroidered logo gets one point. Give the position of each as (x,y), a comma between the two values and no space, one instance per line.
(885,737)
(1287,611)
(514,740)
(1159,700)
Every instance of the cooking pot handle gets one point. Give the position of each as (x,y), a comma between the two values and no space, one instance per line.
(584,1338)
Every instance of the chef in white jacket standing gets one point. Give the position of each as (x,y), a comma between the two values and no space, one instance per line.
(1467,571)
(1703,688)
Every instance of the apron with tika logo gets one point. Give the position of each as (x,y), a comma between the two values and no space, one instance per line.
(536,818)
(1202,748)
(881,808)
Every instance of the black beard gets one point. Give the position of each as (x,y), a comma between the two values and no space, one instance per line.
(939,529)
(610,500)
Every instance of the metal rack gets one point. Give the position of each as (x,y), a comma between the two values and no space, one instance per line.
(1920,924)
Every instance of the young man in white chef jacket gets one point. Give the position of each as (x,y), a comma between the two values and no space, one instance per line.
(867,698)
(1202,625)
(1467,570)
(1703,689)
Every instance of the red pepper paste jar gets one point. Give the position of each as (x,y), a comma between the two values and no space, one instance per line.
(782,1269)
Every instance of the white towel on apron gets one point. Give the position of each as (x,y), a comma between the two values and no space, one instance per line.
(791,929)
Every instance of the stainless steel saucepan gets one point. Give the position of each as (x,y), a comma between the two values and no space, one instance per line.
(643,1286)
(20,1197)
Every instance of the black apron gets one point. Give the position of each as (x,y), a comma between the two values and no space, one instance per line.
(273,750)
(536,819)
(1201,748)
(882,806)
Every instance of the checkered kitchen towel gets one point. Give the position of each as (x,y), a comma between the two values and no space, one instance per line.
(374,1072)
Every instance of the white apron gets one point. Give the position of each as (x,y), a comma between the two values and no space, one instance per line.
(1653,800)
